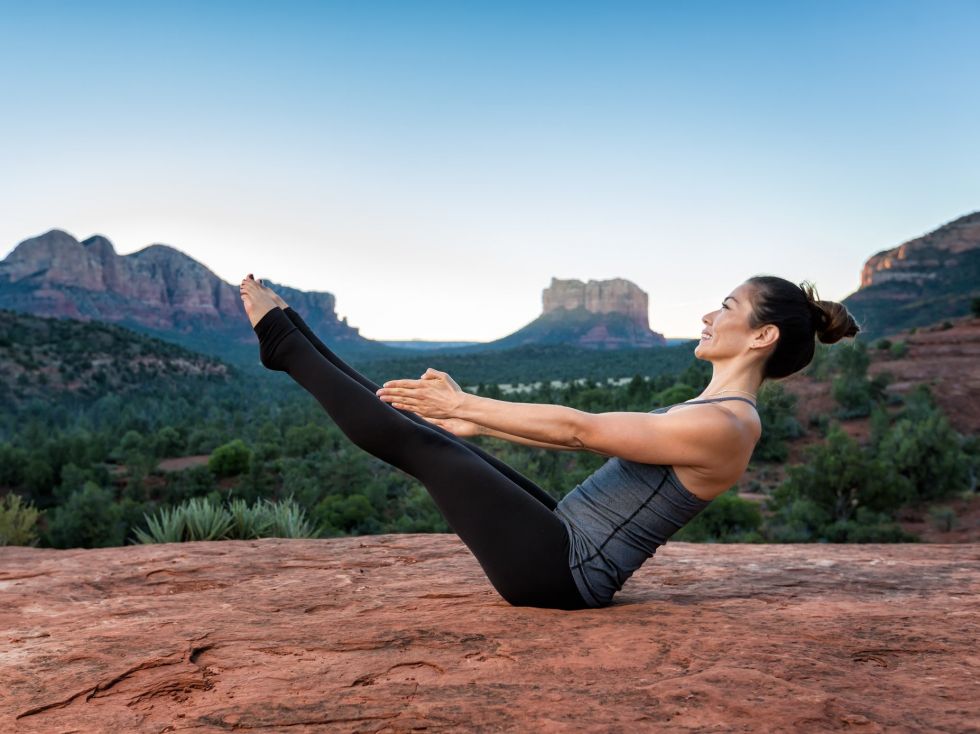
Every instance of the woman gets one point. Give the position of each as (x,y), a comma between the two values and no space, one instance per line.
(665,466)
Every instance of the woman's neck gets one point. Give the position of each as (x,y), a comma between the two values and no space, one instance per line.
(734,380)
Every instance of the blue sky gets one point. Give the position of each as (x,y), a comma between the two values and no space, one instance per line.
(435,164)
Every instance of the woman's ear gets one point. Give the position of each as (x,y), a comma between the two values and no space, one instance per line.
(766,336)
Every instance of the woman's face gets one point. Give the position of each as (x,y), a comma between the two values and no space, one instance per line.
(726,329)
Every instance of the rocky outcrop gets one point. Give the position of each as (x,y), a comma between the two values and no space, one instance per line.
(920,282)
(598,296)
(920,260)
(158,287)
(598,314)
(398,633)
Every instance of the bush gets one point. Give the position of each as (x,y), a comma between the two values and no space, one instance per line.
(975,307)
(926,450)
(883,344)
(798,520)
(230,459)
(943,518)
(778,416)
(867,527)
(89,519)
(345,513)
(18,521)
(898,349)
(839,477)
(303,440)
(727,519)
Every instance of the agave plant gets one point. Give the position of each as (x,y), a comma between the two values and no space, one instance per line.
(206,521)
(198,519)
(249,522)
(290,521)
(168,528)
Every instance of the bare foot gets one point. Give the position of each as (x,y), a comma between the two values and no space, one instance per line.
(257,301)
(275,296)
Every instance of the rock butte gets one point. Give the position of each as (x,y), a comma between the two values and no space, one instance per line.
(396,633)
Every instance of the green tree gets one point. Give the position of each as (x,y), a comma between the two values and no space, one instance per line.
(230,459)
(89,519)
(928,452)
(303,440)
(777,411)
(839,476)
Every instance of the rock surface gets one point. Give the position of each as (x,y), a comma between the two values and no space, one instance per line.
(397,633)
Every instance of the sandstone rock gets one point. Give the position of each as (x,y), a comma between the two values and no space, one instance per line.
(919,259)
(598,296)
(158,287)
(398,633)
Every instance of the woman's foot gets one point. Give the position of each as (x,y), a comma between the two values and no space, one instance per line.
(275,296)
(257,300)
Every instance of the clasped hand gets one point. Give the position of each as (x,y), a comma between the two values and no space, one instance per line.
(435,395)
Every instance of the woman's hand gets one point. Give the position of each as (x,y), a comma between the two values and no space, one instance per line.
(435,395)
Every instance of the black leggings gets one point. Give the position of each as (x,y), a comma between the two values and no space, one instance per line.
(504,518)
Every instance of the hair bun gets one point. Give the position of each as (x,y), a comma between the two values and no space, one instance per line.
(831,320)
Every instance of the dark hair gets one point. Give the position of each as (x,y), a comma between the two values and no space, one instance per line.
(800,315)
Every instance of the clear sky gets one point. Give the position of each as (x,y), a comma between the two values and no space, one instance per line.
(434,164)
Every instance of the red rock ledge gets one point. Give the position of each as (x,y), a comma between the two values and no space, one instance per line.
(398,633)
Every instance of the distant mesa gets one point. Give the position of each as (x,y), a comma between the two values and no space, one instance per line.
(598,314)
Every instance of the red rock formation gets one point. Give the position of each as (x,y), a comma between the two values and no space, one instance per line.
(399,633)
(158,287)
(598,296)
(917,260)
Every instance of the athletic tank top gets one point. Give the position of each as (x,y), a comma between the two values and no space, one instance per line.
(619,515)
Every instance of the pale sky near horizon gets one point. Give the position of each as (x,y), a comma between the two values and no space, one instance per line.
(435,164)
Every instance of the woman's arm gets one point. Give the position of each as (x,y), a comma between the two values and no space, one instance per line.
(698,437)
(485,431)
(469,429)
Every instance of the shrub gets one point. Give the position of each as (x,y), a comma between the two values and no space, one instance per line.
(898,349)
(777,413)
(839,477)
(867,527)
(924,448)
(943,518)
(798,520)
(883,344)
(975,307)
(230,459)
(728,518)
(18,521)
(89,519)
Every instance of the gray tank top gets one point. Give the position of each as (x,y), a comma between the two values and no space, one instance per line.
(618,517)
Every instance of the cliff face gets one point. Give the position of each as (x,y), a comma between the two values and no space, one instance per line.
(598,296)
(158,287)
(918,261)
(599,314)
(922,281)
(398,633)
